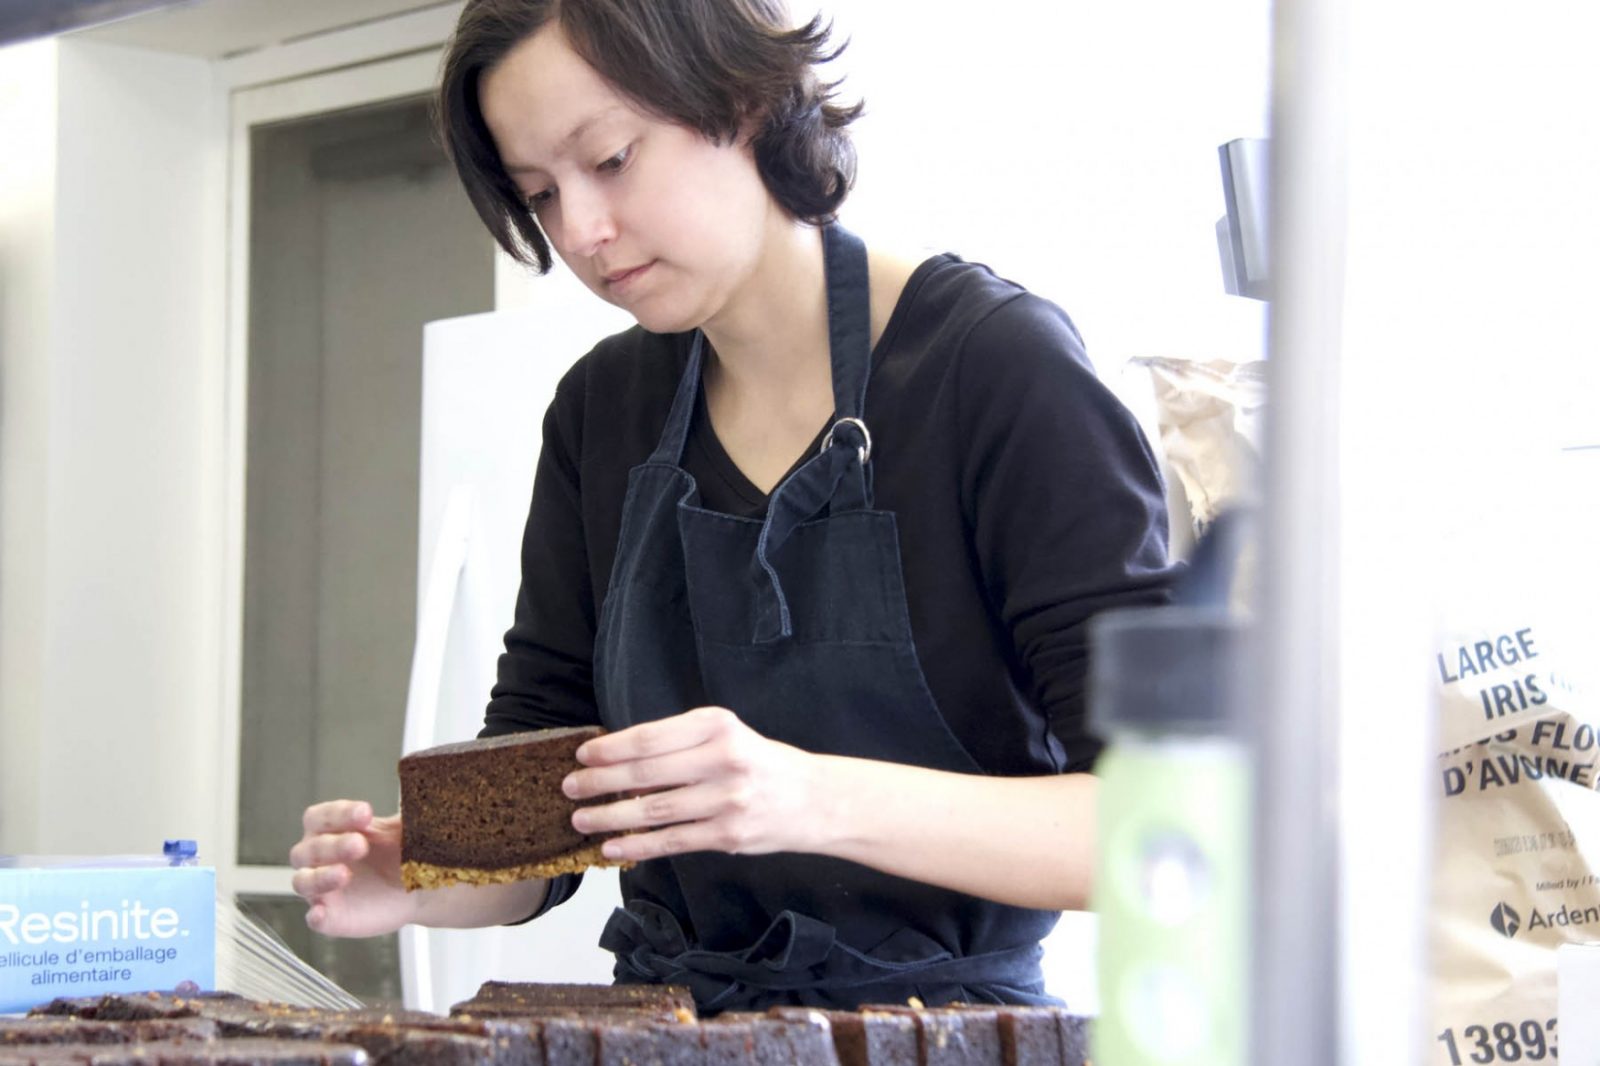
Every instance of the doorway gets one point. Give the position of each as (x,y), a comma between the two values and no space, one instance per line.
(355,233)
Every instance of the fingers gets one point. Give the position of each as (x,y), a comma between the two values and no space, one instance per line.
(658,738)
(691,804)
(333,838)
(328,848)
(682,750)
(691,782)
(318,881)
(336,816)
(721,835)
(645,774)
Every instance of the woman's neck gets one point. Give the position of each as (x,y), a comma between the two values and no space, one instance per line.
(772,337)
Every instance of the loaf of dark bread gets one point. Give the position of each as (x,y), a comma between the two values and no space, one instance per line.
(492,811)
(15,1032)
(864,1038)
(188,1053)
(520,999)
(541,1025)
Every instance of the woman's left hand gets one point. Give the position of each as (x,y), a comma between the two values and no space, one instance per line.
(705,781)
(698,781)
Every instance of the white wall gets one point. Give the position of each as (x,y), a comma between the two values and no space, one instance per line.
(111,641)
(1072,147)
(27,257)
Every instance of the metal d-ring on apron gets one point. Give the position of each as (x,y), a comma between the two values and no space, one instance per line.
(798,623)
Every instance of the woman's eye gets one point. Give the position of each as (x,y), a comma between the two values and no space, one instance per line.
(536,200)
(617,162)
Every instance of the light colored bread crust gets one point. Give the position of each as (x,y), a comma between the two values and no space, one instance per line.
(416,875)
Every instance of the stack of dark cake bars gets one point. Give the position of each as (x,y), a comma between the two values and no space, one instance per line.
(532,1025)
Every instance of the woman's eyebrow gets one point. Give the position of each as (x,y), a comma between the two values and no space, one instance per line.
(572,136)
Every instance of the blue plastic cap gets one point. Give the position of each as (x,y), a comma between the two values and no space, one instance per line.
(180,849)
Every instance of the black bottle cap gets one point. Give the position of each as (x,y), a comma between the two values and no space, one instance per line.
(1164,669)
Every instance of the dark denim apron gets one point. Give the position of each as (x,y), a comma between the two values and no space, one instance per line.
(798,624)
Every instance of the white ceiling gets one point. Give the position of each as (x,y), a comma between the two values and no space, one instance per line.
(218,28)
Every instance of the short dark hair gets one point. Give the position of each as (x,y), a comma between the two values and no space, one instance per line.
(714,66)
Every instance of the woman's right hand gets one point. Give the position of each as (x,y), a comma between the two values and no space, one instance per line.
(347,866)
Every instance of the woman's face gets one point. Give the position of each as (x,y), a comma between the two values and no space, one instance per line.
(651,216)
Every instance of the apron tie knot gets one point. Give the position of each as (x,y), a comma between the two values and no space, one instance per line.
(837,479)
(797,952)
(852,427)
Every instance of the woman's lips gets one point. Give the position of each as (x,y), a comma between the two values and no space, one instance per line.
(622,279)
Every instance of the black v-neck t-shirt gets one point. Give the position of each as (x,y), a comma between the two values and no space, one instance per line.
(723,486)
(1025,496)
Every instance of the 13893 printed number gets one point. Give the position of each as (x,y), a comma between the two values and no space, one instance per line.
(1501,1042)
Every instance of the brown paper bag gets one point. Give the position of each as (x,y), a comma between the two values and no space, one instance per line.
(1518,845)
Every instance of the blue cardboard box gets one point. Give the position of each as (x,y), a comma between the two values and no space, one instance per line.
(81,927)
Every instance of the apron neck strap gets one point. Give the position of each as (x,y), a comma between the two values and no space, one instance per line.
(669,449)
(844,258)
(838,478)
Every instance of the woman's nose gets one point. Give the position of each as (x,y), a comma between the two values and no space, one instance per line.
(587,223)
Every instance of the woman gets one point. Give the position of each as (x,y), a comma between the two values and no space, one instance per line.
(817,541)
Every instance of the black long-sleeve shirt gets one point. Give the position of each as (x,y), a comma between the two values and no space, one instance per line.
(1026,497)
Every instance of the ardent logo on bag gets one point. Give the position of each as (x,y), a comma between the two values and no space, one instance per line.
(1506,921)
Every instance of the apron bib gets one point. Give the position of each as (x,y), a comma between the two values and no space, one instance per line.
(798,624)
